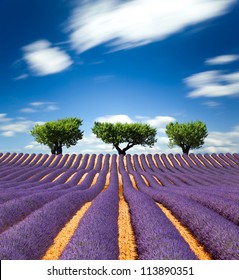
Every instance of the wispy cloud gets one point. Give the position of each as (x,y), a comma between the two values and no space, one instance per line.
(10,129)
(128,24)
(141,118)
(222,59)
(213,84)
(21,77)
(28,110)
(36,107)
(114,119)
(35,146)
(222,142)
(97,62)
(44,59)
(160,122)
(212,104)
(9,133)
(38,104)
(3,118)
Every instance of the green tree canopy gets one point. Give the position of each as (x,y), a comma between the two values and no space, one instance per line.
(56,134)
(130,133)
(186,135)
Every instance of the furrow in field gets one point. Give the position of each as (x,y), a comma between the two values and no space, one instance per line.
(126,239)
(64,236)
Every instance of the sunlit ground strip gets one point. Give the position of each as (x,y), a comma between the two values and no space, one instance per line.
(126,239)
(59,176)
(194,245)
(70,177)
(145,180)
(95,179)
(133,181)
(64,236)
(82,178)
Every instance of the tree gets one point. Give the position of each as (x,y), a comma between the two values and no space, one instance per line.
(132,134)
(56,134)
(186,135)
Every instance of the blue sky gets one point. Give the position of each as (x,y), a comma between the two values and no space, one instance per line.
(149,61)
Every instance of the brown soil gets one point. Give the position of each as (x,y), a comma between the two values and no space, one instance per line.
(126,238)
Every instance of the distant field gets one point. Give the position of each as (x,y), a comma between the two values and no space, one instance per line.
(98,207)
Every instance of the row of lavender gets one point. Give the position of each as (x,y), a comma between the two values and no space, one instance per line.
(213,163)
(33,198)
(24,168)
(205,198)
(35,203)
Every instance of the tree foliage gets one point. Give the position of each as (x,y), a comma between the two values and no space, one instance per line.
(186,135)
(56,134)
(130,133)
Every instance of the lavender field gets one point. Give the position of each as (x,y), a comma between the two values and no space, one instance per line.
(109,207)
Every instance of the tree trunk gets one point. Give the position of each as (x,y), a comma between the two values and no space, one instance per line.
(186,149)
(120,151)
(123,151)
(59,150)
(56,149)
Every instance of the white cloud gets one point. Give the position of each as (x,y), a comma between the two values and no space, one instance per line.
(114,119)
(218,150)
(8,133)
(212,104)
(222,59)
(221,142)
(35,146)
(218,140)
(51,108)
(141,118)
(160,121)
(3,118)
(128,24)
(22,126)
(21,77)
(38,104)
(28,110)
(10,127)
(163,140)
(43,59)
(213,84)
(91,139)
(97,62)
(35,107)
